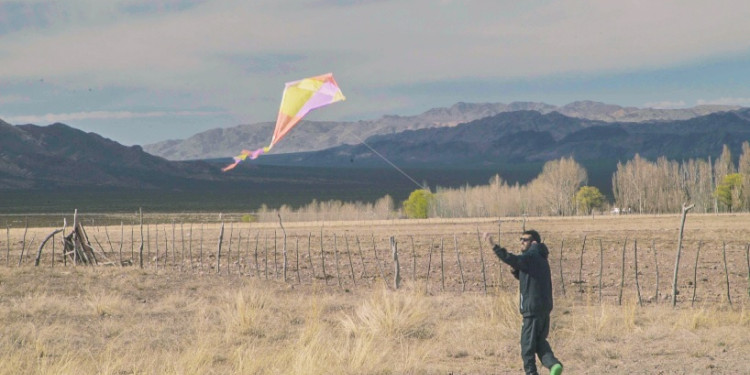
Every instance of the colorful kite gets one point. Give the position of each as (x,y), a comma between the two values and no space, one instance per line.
(299,98)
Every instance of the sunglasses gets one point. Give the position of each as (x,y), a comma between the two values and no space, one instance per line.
(526,239)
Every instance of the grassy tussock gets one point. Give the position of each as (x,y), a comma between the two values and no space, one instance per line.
(121,321)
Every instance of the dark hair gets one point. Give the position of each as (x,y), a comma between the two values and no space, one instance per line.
(534,235)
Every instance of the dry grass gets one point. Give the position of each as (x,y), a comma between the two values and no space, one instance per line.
(111,320)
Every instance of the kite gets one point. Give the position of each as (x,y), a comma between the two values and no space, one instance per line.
(299,98)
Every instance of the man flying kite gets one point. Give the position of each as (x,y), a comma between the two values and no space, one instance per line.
(299,98)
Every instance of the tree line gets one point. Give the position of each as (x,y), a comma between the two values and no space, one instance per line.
(561,189)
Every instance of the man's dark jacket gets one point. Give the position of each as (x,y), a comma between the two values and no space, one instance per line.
(534,276)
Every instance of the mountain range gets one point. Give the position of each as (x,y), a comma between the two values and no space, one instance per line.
(514,144)
(312,136)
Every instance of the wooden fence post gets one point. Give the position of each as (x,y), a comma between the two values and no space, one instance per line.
(361,257)
(726,271)
(562,280)
(695,272)
(601,268)
(635,262)
(413,260)
(397,268)
(656,266)
(257,265)
(309,255)
(685,210)
(296,251)
(336,257)
(349,255)
(580,268)
(458,260)
(265,255)
(481,258)
(323,257)
(442,266)
(429,267)
(218,256)
(284,245)
(622,274)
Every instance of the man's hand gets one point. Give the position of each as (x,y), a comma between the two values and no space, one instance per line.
(488,238)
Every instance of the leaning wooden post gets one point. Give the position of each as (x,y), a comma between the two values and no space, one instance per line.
(257,265)
(23,242)
(284,246)
(747,257)
(41,246)
(336,257)
(562,280)
(442,267)
(685,210)
(458,260)
(218,256)
(229,248)
(65,259)
(413,260)
(396,266)
(190,246)
(323,257)
(601,268)
(580,267)
(695,273)
(635,262)
(265,255)
(349,255)
(726,271)
(429,266)
(296,251)
(622,273)
(481,258)
(656,266)
(361,256)
(309,255)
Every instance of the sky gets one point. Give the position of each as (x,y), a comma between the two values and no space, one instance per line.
(143,71)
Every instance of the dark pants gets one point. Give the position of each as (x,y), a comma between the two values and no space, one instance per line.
(534,343)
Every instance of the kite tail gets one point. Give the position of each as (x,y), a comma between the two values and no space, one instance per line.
(244,155)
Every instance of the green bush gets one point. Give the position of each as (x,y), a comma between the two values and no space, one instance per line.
(418,204)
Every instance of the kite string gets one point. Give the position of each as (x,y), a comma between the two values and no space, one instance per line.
(388,161)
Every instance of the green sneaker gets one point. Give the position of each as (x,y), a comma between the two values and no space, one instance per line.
(556,370)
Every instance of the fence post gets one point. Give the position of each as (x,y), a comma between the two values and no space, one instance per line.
(601,268)
(481,258)
(442,266)
(635,262)
(695,273)
(685,210)
(562,280)
(218,256)
(580,268)
(458,260)
(726,271)
(396,266)
(656,266)
(336,257)
(349,255)
(622,273)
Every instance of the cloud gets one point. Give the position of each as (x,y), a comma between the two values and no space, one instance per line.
(743,102)
(99,115)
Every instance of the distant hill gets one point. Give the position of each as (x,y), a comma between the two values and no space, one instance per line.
(61,156)
(312,136)
(530,136)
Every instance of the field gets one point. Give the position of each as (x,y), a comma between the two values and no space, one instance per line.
(189,311)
